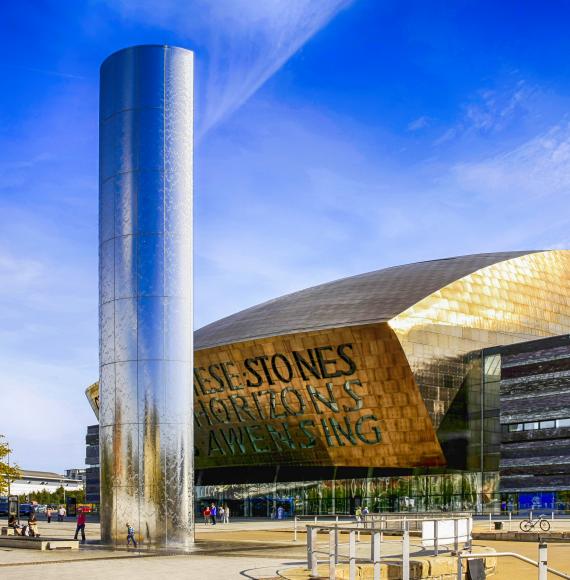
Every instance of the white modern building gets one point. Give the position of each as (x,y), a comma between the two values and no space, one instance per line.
(76,473)
(34,481)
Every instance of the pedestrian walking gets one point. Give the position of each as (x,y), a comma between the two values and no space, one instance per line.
(206,514)
(221,514)
(131,535)
(213,513)
(61,513)
(80,526)
(365,513)
(226,514)
(49,513)
(358,514)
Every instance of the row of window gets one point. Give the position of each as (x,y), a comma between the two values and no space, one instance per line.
(537,425)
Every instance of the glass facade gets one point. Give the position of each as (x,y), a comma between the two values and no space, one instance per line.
(438,492)
(473,432)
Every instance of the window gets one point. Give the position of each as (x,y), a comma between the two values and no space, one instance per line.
(532,425)
(493,367)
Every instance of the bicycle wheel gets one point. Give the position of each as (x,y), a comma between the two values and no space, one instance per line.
(544,525)
(525,526)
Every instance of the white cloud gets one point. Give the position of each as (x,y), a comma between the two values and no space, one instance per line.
(538,168)
(490,111)
(419,123)
(240,43)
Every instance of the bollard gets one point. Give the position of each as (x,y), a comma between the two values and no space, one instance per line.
(490,524)
(315,519)
(406,555)
(337,519)
(530,515)
(352,555)
(336,544)
(552,516)
(312,551)
(295,529)
(510,520)
(542,562)
(435,537)
(332,554)
(455,535)
(459,567)
(376,554)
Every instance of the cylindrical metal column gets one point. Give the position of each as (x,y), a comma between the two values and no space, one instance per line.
(145,295)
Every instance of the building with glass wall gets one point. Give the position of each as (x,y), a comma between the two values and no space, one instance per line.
(384,388)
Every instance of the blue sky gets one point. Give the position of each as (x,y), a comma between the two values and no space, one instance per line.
(333,137)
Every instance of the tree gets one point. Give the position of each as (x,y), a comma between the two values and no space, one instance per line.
(8,473)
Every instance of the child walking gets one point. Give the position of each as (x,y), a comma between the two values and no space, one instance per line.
(131,535)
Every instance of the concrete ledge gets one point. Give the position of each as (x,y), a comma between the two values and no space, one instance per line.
(550,537)
(38,543)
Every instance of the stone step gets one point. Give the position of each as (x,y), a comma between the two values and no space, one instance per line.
(41,543)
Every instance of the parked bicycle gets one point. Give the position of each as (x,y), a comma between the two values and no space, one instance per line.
(541,521)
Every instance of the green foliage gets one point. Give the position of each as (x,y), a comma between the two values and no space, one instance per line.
(8,473)
(53,498)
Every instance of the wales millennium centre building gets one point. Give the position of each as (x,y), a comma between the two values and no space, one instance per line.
(436,385)
(418,387)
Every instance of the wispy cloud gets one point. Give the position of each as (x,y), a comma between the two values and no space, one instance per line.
(491,111)
(241,43)
(419,123)
(42,71)
(538,168)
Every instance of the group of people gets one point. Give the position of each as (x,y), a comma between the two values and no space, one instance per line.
(360,513)
(61,513)
(212,514)
(278,514)
(31,529)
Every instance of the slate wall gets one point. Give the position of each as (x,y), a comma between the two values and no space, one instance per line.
(535,386)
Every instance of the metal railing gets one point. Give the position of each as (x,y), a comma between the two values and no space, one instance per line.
(337,518)
(395,521)
(375,532)
(542,563)
(385,520)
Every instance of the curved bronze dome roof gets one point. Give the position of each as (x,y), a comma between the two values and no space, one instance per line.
(367,298)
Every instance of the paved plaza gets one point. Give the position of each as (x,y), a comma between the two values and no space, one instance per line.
(255,549)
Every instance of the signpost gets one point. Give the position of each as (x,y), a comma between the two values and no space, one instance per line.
(14,507)
(71,506)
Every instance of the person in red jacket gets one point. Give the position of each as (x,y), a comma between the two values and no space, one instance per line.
(80,526)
